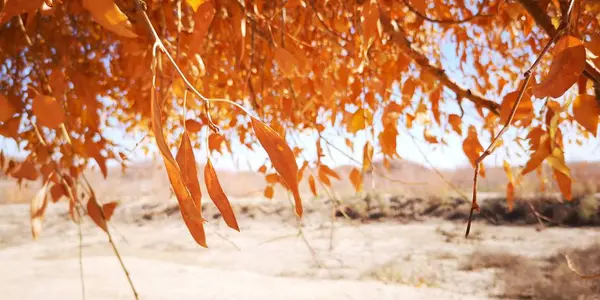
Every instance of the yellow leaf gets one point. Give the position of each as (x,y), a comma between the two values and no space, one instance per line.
(586,112)
(567,65)
(472,148)
(311,184)
(282,158)
(108,14)
(456,123)
(189,173)
(557,161)
(510,186)
(218,196)
(7,110)
(356,179)
(359,120)
(37,210)
(269,192)
(48,111)
(367,157)
(194,4)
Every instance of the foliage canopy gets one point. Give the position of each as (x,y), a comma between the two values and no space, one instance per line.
(71,68)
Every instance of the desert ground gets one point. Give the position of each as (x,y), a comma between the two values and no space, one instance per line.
(398,247)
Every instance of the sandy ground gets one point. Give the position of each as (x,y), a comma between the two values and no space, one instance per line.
(266,260)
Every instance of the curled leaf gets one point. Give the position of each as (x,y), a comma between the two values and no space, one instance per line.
(282,158)
(37,210)
(215,191)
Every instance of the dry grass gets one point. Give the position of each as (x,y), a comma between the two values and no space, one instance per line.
(519,277)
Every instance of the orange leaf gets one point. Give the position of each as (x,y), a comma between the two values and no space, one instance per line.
(48,112)
(95,212)
(286,61)
(37,210)
(282,158)
(586,111)
(524,111)
(192,126)
(564,184)
(387,140)
(538,156)
(183,195)
(215,142)
(371,22)
(25,170)
(269,192)
(419,5)
(356,179)
(429,137)
(567,65)
(189,173)
(109,209)
(16,7)
(108,14)
(456,123)
(262,169)
(473,148)
(272,178)
(311,184)
(215,191)
(7,110)
(57,191)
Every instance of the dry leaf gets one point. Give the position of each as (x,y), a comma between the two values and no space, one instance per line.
(456,123)
(567,65)
(356,179)
(7,110)
(281,157)
(586,112)
(218,196)
(269,192)
(37,210)
(473,149)
(108,14)
(367,157)
(48,111)
(312,185)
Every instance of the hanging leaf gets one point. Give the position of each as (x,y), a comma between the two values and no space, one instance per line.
(586,111)
(108,14)
(456,123)
(7,110)
(48,112)
(388,141)
(564,184)
(38,209)
(359,119)
(356,179)
(286,61)
(567,65)
(25,170)
(57,191)
(187,164)
(510,186)
(429,137)
(472,148)
(538,156)
(269,192)
(524,112)
(281,157)
(192,126)
(367,157)
(215,191)
(312,185)
(95,212)
(16,7)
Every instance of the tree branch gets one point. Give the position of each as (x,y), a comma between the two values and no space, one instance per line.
(479,14)
(543,20)
(398,36)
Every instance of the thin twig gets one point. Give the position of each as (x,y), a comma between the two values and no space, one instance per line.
(421,15)
(81,276)
(490,148)
(110,239)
